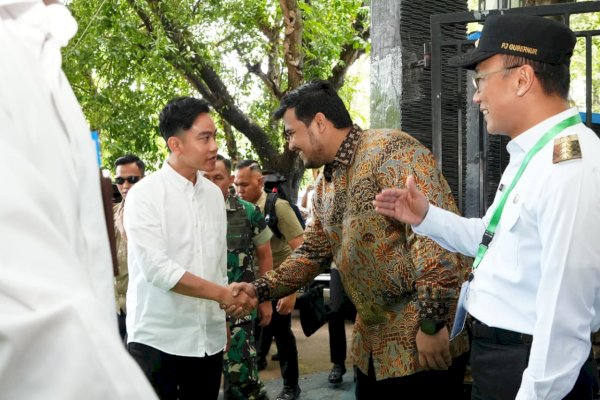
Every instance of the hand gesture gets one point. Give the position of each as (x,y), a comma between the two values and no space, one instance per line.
(286,304)
(408,205)
(239,300)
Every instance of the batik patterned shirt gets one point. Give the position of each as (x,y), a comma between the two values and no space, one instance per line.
(394,277)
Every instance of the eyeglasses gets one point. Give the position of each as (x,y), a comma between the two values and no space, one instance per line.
(119,180)
(482,75)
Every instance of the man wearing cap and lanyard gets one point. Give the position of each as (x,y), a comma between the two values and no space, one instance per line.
(533,297)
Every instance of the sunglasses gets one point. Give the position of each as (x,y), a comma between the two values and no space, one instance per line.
(131,179)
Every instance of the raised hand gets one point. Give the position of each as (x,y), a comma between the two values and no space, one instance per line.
(408,205)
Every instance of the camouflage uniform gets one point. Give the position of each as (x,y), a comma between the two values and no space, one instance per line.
(246,228)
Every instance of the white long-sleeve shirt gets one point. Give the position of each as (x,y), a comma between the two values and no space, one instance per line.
(172,227)
(58,332)
(541,273)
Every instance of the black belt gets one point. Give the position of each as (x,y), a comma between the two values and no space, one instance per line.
(497,335)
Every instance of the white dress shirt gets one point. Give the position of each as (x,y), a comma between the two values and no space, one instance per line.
(174,226)
(58,332)
(541,273)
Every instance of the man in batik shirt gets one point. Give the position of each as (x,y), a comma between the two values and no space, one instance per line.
(404,286)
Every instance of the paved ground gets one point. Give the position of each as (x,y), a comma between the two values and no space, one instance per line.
(314,364)
(316,387)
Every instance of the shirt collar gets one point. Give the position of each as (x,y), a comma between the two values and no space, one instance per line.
(178,180)
(526,140)
(262,199)
(345,153)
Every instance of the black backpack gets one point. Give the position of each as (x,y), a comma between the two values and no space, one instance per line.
(275,190)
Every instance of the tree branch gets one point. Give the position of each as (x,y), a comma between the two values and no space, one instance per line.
(230,142)
(255,69)
(272,77)
(292,43)
(146,20)
(195,8)
(203,77)
(349,53)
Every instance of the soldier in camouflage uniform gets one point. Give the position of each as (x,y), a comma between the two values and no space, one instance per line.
(248,237)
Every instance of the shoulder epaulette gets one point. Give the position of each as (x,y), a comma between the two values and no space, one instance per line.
(566,148)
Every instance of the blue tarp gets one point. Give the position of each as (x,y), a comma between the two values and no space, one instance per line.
(595,118)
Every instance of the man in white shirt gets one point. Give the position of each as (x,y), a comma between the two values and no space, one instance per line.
(58,331)
(176,228)
(534,294)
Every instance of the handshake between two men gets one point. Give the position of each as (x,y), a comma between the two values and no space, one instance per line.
(239,300)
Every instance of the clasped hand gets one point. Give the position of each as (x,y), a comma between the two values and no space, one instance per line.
(239,300)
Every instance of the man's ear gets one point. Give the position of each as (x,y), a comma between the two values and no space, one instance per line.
(173,144)
(261,181)
(526,78)
(231,179)
(321,120)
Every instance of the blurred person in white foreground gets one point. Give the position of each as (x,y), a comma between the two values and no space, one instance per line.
(58,331)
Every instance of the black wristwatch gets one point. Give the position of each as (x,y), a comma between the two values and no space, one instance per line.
(432,326)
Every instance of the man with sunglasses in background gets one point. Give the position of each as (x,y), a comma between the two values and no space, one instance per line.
(129,169)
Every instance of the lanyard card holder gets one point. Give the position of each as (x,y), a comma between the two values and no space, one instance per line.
(461,312)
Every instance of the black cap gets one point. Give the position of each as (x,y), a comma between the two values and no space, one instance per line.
(528,36)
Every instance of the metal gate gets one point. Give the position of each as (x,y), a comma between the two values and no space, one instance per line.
(472,160)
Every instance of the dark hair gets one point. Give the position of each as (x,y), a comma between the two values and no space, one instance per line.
(554,78)
(179,114)
(254,165)
(226,162)
(312,98)
(131,158)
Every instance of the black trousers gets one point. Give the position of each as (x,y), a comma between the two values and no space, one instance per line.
(428,385)
(177,377)
(499,358)
(280,328)
(340,307)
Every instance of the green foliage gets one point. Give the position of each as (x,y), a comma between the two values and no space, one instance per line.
(130,57)
(585,22)
(121,79)
(330,24)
